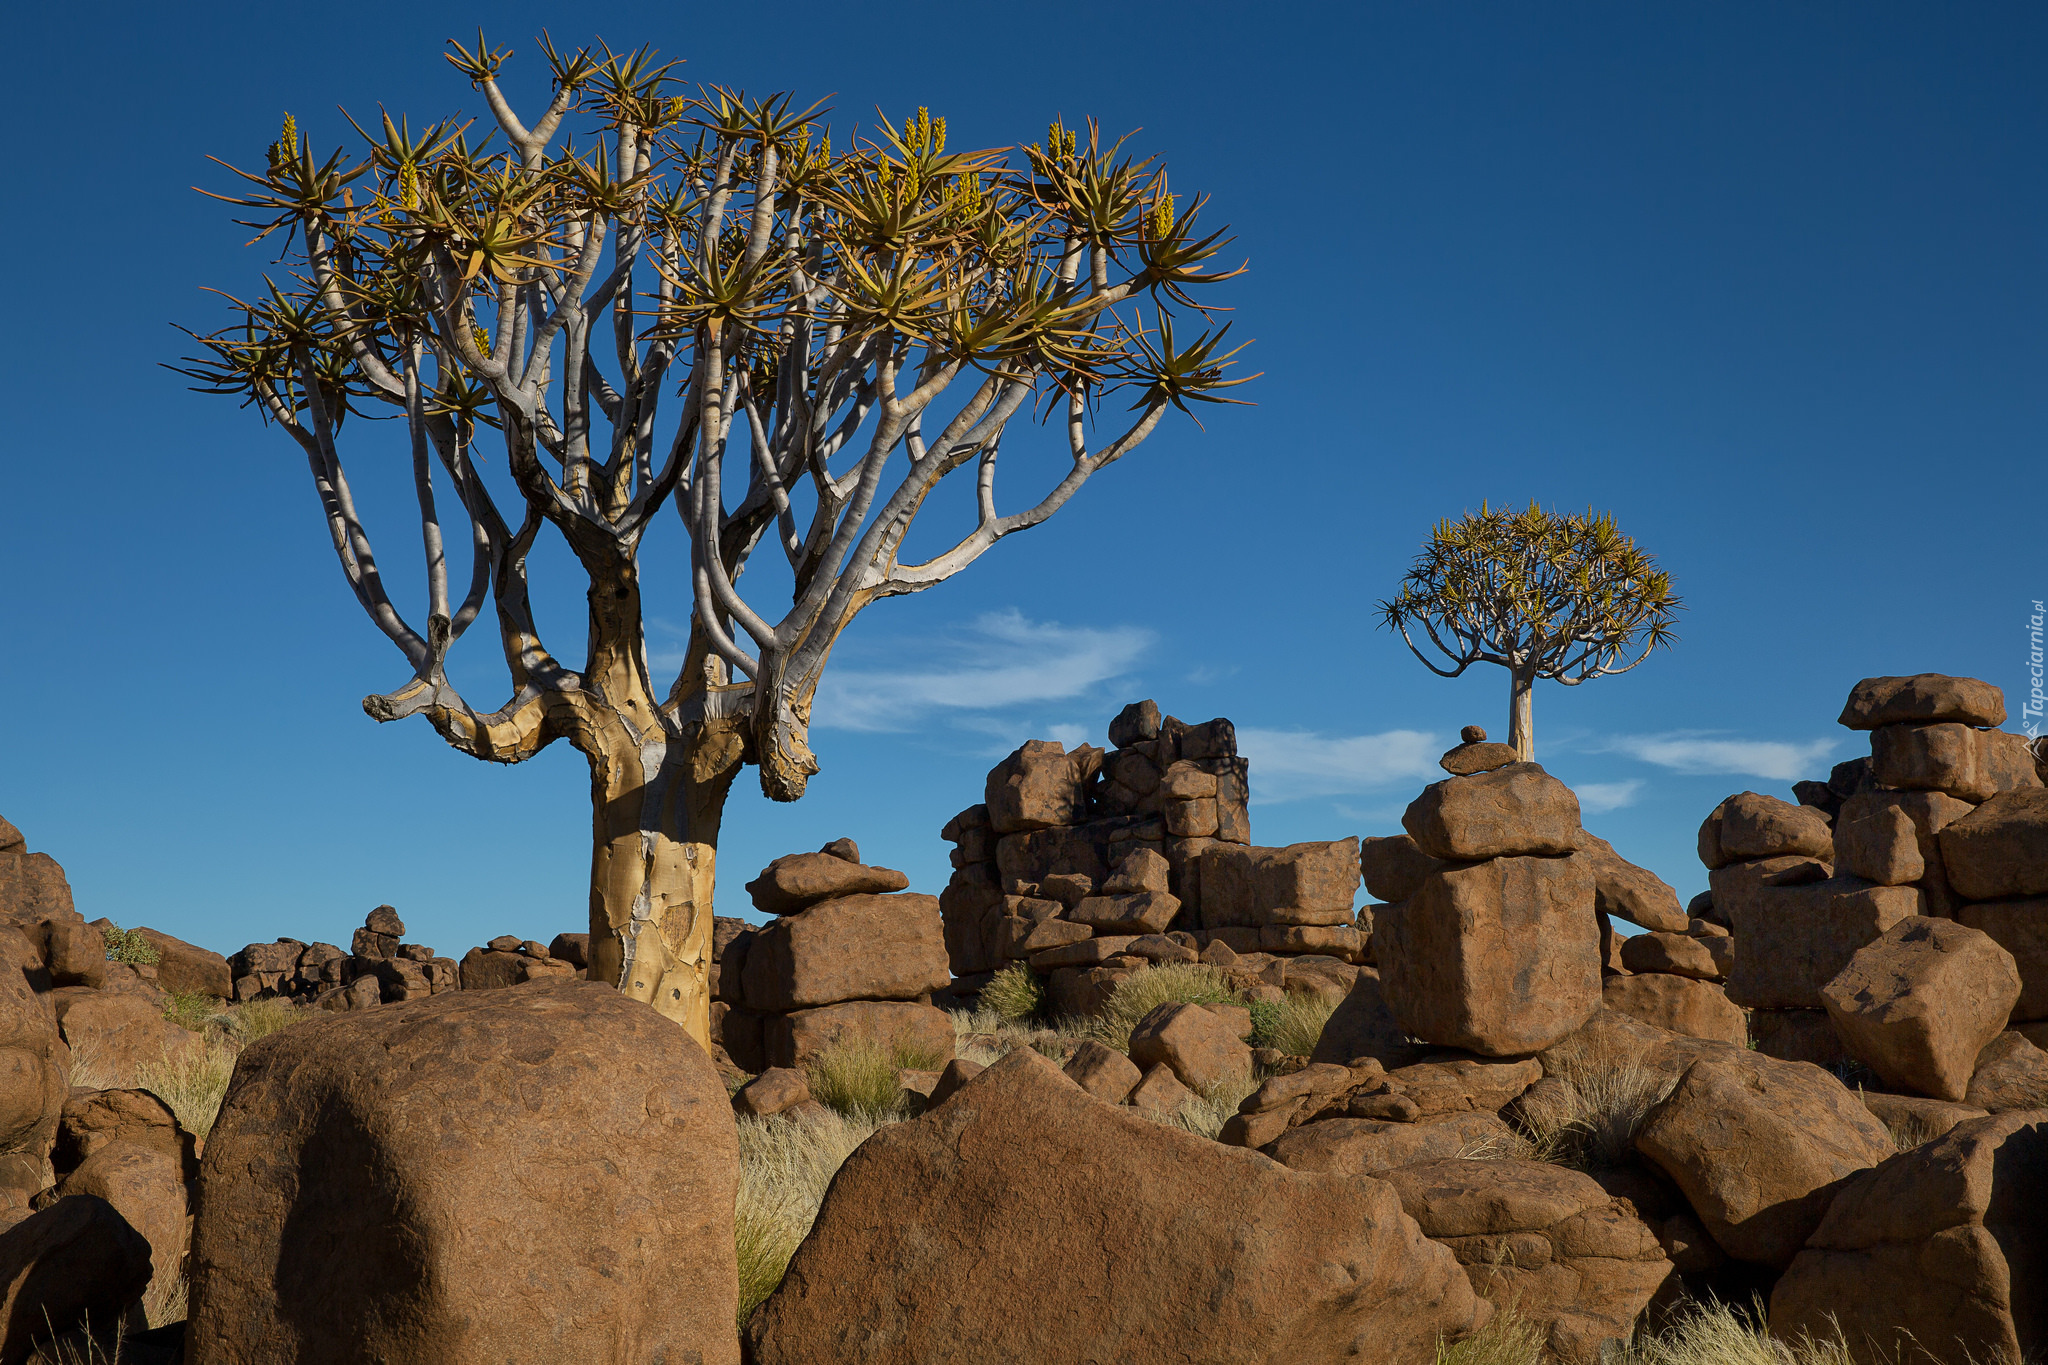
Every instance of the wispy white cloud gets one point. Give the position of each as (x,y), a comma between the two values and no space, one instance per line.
(1292,765)
(1696,752)
(1001,659)
(1595,797)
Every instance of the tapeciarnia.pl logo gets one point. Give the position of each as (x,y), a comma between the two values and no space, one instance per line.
(2030,714)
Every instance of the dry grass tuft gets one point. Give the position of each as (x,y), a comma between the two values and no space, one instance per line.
(786,1165)
(261,1018)
(1137,995)
(1205,1114)
(90,1069)
(192,1010)
(1507,1339)
(1507,1146)
(1014,994)
(1607,1092)
(1294,1025)
(1704,1334)
(193,1081)
(858,1077)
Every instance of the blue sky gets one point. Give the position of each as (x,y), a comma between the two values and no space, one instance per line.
(1766,281)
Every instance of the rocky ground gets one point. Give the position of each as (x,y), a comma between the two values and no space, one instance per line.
(1130,1088)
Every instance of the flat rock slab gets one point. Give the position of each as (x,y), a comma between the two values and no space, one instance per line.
(1127,1241)
(1922,697)
(798,881)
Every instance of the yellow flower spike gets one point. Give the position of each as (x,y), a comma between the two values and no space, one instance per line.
(481,338)
(289,138)
(409,186)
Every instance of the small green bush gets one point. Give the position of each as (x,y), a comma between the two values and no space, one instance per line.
(1137,995)
(192,1010)
(1014,993)
(128,945)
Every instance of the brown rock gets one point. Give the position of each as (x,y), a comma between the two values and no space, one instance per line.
(1622,889)
(1999,851)
(1363,1026)
(1135,724)
(1547,1242)
(1500,958)
(1160,1092)
(1920,1002)
(119,1034)
(1919,1118)
(1759,1146)
(75,1261)
(1069,889)
(94,1119)
(1034,788)
(1394,868)
(33,1081)
(1464,1085)
(491,969)
(1354,1147)
(914,1032)
(1215,1256)
(864,947)
(1148,912)
(1973,765)
(2021,928)
(1677,1004)
(1323,976)
(1941,1249)
(1338,941)
(1922,697)
(514,1234)
(183,966)
(958,1072)
(147,1186)
(2012,1073)
(1510,812)
(1103,1072)
(1793,940)
(774,1091)
(574,949)
(1142,870)
(1203,1049)
(1757,826)
(1034,855)
(1881,847)
(797,881)
(1482,757)
(1739,887)
(1311,883)
(1679,954)
(1091,952)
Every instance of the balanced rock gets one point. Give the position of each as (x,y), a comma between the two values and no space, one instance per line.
(471,1203)
(1919,1003)
(1922,697)
(1972,765)
(1500,957)
(865,947)
(1509,812)
(1479,757)
(1199,1254)
(797,881)
(1940,1251)
(1749,825)
(1549,1243)
(1626,891)
(1759,1147)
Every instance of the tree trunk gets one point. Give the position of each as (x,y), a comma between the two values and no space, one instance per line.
(1521,714)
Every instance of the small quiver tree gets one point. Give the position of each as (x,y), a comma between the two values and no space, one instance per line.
(1563,597)
(808,312)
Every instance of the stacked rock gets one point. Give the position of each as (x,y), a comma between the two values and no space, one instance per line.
(1088,866)
(378,968)
(1804,888)
(1496,947)
(509,960)
(850,956)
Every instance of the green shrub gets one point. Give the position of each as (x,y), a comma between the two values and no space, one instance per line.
(128,945)
(1137,995)
(1014,993)
(192,1010)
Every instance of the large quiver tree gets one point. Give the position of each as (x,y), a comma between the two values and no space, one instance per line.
(808,313)
(1565,597)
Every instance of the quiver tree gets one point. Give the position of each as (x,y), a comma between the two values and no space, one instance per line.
(835,333)
(1565,597)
